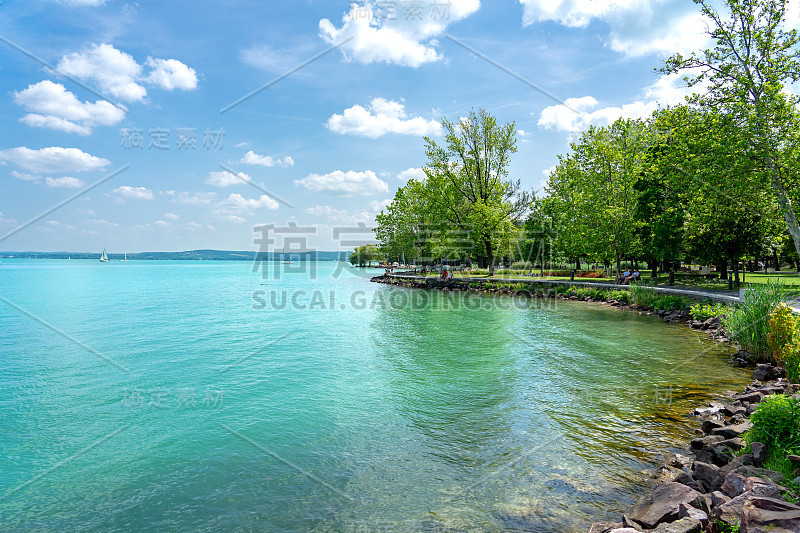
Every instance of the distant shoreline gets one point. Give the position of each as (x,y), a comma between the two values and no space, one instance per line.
(190,255)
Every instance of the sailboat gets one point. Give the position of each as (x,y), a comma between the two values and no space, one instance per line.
(126,257)
(104,257)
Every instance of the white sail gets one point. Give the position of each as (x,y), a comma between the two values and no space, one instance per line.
(104,257)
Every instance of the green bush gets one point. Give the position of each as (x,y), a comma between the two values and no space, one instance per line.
(670,302)
(643,295)
(619,295)
(748,323)
(705,311)
(521,265)
(784,341)
(776,423)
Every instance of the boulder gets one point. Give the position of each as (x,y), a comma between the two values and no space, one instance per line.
(718,498)
(710,425)
(662,505)
(708,475)
(735,444)
(703,443)
(604,527)
(761,513)
(737,483)
(684,525)
(751,397)
(686,511)
(760,474)
(759,453)
(765,372)
(736,430)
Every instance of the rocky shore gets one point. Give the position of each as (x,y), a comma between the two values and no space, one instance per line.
(710,489)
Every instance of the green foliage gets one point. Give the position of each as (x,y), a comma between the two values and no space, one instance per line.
(643,295)
(784,341)
(703,311)
(619,295)
(521,265)
(748,323)
(776,423)
(670,302)
(724,527)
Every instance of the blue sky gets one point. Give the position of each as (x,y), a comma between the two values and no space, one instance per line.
(325,146)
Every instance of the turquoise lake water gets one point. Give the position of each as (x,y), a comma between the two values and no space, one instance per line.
(203,396)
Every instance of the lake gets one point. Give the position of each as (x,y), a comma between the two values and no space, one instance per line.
(206,396)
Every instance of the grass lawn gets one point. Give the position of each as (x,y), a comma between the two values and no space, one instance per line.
(681,279)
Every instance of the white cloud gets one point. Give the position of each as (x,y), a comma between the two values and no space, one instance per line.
(114,71)
(51,106)
(171,216)
(226,179)
(341,216)
(52,160)
(252,158)
(636,27)
(119,75)
(161,223)
(101,223)
(138,193)
(25,177)
(65,182)
(239,203)
(402,37)
(379,205)
(198,198)
(382,117)
(171,74)
(577,114)
(411,173)
(350,183)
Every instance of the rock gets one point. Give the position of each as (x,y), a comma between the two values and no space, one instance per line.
(696,324)
(712,322)
(708,475)
(684,525)
(624,530)
(751,397)
(661,505)
(677,460)
(759,453)
(794,458)
(703,443)
(718,498)
(764,372)
(759,473)
(732,408)
(667,473)
(738,482)
(729,432)
(761,514)
(605,527)
(710,425)
(686,511)
(735,444)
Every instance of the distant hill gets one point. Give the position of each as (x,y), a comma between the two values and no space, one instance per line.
(191,255)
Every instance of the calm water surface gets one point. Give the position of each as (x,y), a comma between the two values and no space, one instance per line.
(166,395)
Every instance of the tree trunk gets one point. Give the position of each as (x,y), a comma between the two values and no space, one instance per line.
(776,260)
(653,267)
(489,256)
(618,265)
(577,263)
(722,268)
(736,274)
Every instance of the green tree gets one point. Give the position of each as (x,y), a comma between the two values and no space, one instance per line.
(746,71)
(468,190)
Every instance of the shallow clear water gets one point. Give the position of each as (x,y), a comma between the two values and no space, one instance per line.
(177,397)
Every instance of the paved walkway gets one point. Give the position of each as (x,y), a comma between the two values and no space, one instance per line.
(714,295)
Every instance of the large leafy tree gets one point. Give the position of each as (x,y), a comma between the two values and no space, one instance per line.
(753,59)
(595,187)
(468,189)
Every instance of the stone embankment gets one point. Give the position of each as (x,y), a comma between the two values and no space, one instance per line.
(711,488)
